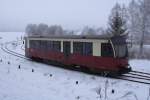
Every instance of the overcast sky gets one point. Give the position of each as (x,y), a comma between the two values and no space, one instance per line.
(71,14)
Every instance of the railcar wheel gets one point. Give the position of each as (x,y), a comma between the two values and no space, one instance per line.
(105,73)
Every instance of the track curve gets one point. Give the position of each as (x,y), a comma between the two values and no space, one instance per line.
(5,49)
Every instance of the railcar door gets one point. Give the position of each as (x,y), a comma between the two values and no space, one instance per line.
(106,50)
(66,48)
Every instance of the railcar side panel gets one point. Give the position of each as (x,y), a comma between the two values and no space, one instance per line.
(91,62)
(96,60)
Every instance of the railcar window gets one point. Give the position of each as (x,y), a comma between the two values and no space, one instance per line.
(31,44)
(83,48)
(106,50)
(38,46)
(66,48)
(57,46)
(54,45)
(44,45)
(34,44)
(87,48)
(78,47)
(49,45)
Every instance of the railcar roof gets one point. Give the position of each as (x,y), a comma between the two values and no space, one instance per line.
(74,36)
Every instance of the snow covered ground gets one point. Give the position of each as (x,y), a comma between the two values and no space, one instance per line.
(52,83)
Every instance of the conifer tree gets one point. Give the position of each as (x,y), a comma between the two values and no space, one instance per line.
(117,25)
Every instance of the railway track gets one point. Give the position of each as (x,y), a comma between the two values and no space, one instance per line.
(133,76)
(136,76)
(5,49)
(141,72)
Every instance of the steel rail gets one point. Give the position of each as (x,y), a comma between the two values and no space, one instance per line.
(141,72)
(135,74)
(13,53)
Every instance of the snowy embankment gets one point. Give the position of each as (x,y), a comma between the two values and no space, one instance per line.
(36,81)
(134,52)
(140,65)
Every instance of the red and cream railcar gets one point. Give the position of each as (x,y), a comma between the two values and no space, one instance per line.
(98,53)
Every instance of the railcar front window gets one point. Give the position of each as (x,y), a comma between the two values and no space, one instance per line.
(106,50)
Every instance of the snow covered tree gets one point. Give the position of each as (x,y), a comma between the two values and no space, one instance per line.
(69,32)
(42,29)
(59,30)
(55,30)
(88,31)
(51,30)
(100,31)
(117,23)
(31,29)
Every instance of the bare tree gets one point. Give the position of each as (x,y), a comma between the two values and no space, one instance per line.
(133,23)
(144,20)
(139,16)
